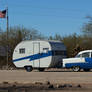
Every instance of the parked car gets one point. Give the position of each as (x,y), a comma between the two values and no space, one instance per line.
(83,60)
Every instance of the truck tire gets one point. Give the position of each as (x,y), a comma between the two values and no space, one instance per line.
(76,68)
(41,69)
(86,70)
(28,68)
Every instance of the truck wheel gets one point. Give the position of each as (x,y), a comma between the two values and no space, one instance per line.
(41,69)
(28,68)
(76,68)
(86,70)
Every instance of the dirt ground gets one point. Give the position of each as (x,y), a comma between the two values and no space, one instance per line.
(48,81)
(21,76)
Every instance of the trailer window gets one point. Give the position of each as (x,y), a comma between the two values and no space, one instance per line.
(59,52)
(85,54)
(45,50)
(22,50)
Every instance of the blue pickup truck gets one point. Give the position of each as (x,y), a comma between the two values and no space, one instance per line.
(83,60)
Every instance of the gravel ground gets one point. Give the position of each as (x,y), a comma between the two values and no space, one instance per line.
(69,78)
(21,76)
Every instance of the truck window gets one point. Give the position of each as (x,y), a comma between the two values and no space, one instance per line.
(79,55)
(86,54)
(91,54)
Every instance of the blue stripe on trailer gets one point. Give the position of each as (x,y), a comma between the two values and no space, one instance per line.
(35,56)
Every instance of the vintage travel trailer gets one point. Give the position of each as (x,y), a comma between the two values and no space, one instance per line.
(39,54)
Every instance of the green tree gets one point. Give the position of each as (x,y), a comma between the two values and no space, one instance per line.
(87,33)
(16,35)
(87,27)
(55,37)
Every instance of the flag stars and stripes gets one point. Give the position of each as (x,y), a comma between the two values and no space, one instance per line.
(3,14)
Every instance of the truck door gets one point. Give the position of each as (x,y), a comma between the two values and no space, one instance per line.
(88,59)
(36,53)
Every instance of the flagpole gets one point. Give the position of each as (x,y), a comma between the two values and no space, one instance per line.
(7,25)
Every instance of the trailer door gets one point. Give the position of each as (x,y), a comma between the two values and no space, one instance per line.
(36,53)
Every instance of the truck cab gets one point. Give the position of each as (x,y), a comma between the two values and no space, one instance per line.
(83,60)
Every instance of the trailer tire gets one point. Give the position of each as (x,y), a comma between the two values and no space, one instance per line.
(76,68)
(41,69)
(86,70)
(28,68)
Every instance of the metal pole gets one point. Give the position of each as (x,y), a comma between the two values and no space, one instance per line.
(7,35)
(39,54)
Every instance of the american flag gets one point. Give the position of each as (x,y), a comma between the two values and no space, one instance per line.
(3,14)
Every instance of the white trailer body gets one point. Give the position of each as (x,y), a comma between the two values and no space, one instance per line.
(39,54)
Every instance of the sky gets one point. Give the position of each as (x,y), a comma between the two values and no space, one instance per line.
(49,17)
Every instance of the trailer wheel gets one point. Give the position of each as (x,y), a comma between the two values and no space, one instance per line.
(86,70)
(28,68)
(41,69)
(76,68)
